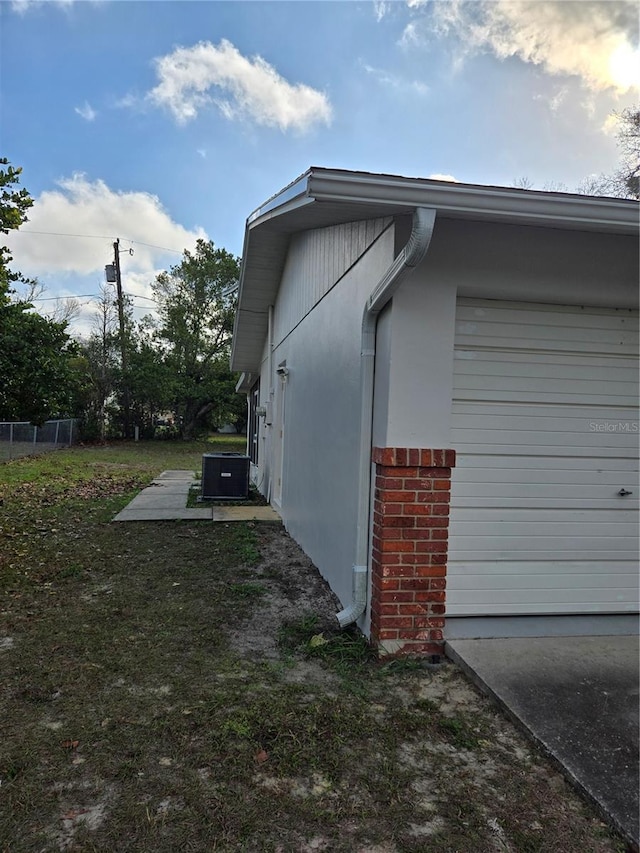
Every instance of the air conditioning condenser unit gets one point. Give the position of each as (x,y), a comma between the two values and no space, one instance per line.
(225,476)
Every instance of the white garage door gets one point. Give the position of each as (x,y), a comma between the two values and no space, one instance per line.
(545,424)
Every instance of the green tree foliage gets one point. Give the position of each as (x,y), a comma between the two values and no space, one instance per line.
(196,300)
(39,373)
(14,204)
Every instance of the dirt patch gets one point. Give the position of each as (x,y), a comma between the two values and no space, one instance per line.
(290,587)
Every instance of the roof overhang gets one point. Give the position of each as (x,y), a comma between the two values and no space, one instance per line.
(324,197)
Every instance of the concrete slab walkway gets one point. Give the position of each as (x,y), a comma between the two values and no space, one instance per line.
(578,698)
(166,500)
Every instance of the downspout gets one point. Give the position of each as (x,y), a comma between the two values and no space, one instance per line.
(269,389)
(407,260)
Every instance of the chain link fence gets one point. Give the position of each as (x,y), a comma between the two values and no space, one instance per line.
(24,439)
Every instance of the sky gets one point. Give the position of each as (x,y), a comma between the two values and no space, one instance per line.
(161,121)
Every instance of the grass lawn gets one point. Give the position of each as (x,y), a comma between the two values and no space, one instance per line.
(179,686)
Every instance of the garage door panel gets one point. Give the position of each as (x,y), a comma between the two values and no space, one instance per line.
(491,607)
(546,581)
(475,310)
(473,386)
(472,572)
(545,426)
(499,516)
(527,364)
(469,465)
(566,397)
(500,478)
(554,549)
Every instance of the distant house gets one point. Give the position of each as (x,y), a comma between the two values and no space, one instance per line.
(443,384)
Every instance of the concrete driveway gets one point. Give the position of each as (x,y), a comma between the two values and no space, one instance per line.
(578,698)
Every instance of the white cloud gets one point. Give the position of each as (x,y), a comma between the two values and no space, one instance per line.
(83,207)
(591,39)
(86,111)
(380,8)
(192,78)
(24,6)
(394,81)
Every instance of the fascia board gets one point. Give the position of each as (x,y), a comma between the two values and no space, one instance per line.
(292,196)
(559,210)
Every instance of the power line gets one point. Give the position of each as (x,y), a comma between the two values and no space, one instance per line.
(100,237)
(65,234)
(68,296)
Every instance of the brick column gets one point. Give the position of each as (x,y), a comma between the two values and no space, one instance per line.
(409,555)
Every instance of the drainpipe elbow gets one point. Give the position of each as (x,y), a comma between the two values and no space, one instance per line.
(357,607)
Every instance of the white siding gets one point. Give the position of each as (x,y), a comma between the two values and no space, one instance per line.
(545,424)
(316,261)
(322,413)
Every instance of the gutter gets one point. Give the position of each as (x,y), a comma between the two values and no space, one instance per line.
(406,261)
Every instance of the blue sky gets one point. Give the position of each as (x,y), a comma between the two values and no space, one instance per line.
(158,122)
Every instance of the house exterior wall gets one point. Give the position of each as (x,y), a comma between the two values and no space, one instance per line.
(321,347)
(316,332)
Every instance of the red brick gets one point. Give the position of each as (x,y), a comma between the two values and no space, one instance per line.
(389,482)
(401,455)
(404,597)
(437,522)
(390,508)
(438,473)
(388,634)
(405,471)
(400,521)
(442,484)
(433,497)
(412,583)
(417,509)
(396,622)
(384,455)
(432,571)
(397,571)
(440,509)
(410,559)
(415,534)
(413,456)
(438,583)
(439,560)
(413,609)
(397,546)
(440,534)
(431,547)
(432,596)
(392,609)
(389,583)
(391,496)
(417,483)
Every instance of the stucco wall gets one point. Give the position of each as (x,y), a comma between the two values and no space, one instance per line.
(322,419)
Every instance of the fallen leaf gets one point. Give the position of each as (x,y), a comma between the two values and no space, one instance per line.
(261,756)
(70,744)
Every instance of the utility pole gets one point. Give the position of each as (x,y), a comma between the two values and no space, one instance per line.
(123,343)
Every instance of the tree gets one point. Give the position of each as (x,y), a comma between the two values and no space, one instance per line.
(38,374)
(196,302)
(627,178)
(14,204)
